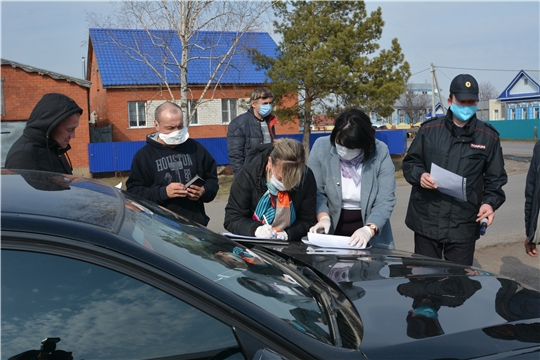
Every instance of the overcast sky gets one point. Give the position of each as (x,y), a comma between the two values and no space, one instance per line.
(492,40)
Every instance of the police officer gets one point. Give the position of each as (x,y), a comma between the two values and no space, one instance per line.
(445,226)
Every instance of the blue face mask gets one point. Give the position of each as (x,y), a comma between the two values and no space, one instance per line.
(463,113)
(427,311)
(265,110)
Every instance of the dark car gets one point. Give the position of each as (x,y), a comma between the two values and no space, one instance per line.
(92,272)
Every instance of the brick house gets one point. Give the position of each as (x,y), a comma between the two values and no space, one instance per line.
(125,91)
(22,87)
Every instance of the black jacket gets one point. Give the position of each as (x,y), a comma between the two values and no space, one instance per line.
(244,135)
(156,165)
(476,155)
(35,149)
(532,193)
(250,185)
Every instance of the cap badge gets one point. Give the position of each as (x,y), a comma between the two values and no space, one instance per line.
(468,84)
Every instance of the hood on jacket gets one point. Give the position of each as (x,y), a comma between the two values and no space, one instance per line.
(50,111)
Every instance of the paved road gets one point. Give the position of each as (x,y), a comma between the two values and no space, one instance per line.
(501,250)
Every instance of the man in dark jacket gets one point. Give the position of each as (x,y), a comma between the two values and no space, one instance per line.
(532,203)
(169,160)
(45,139)
(251,129)
(468,147)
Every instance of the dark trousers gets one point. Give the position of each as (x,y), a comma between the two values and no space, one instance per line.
(461,253)
(349,222)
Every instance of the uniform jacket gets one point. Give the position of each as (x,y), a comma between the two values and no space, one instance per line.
(156,165)
(377,191)
(250,185)
(476,155)
(35,149)
(532,193)
(245,134)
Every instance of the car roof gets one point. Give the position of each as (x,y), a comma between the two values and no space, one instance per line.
(29,194)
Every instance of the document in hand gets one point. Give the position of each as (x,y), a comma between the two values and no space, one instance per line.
(197,180)
(449,183)
(331,241)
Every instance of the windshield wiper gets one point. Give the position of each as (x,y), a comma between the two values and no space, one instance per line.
(324,294)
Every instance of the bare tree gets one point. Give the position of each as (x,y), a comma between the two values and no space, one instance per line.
(487,91)
(414,103)
(186,18)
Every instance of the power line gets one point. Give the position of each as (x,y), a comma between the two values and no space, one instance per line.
(420,72)
(458,68)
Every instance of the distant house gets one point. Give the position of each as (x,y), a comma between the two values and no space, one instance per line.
(22,87)
(415,104)
(134,71)
(521,97)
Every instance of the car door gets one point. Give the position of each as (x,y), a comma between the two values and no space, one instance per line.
(77,304)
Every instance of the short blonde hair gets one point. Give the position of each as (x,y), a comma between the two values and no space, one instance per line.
(292,156)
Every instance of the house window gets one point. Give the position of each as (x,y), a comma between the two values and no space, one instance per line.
(512,114)
(525,81)
(536,110)
(137,114)
(228,110)
(192,104)
(523,113)
(496,114)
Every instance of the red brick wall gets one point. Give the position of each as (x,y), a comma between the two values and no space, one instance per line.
(23,90)
(111,107)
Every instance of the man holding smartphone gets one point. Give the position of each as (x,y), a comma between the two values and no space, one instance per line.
(168,161)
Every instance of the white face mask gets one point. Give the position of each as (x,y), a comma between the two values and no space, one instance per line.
(277,184)
(176,137)
(346,153)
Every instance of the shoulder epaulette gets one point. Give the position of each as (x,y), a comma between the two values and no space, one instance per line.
(491,127)
(429,120)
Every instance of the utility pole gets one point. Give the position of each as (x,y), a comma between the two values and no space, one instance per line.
(434,78)
(432,90)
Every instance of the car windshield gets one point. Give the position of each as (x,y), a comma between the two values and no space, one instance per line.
(245,272)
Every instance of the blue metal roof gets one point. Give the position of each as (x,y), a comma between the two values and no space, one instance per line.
(120,54)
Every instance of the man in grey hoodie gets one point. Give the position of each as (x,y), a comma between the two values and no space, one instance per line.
(45,139)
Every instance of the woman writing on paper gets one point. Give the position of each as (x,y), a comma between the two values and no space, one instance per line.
(355,182)
(274,184)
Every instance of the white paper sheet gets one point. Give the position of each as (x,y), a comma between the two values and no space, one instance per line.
(330,241)
(448,182)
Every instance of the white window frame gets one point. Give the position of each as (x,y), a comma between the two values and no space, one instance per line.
(524,113)
(138,114)
(195,119)
(496,114)
(512,114)
(536,113)
(228,110)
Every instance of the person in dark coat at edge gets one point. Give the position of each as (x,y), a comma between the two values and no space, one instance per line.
(169,160)
(251,129)
(45,140)
(274,194)
(532,203)
(444,225)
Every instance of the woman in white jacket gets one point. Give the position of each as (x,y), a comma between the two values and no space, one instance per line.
(355,182)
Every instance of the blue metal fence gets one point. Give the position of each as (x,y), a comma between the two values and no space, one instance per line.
(117,156)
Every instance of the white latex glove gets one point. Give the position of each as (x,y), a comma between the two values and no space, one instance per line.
(361,237)
(282,235)
(265,231)
(323,224)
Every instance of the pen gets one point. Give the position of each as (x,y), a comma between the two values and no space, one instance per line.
(266,222)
